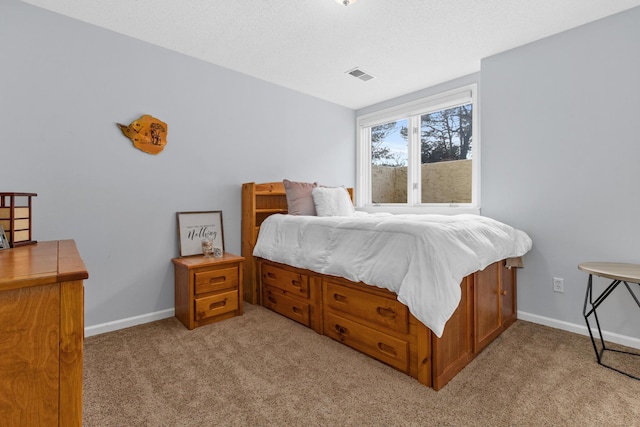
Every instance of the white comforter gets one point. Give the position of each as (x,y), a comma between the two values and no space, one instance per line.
(422,258)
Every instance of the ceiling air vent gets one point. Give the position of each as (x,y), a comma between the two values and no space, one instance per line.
(358,73)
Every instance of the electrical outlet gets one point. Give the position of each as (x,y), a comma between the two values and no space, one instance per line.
(558,284)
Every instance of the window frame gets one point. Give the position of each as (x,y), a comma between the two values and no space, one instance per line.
(413,111)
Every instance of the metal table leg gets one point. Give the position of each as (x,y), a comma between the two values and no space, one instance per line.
(589,301)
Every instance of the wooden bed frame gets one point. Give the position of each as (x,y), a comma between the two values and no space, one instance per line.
(371,319)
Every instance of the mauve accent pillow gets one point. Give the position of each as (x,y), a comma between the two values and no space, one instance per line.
(299,199)
(332,201)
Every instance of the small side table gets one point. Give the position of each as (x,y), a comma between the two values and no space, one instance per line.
(208,289)
(618,273)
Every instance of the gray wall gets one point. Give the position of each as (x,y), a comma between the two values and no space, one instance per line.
(560,145)
(64,85)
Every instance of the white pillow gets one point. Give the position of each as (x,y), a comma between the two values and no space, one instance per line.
(332,201)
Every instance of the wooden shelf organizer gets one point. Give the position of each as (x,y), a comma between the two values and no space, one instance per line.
(258,202)
(15,217)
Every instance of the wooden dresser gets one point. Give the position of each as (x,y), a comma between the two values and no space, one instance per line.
(41,334)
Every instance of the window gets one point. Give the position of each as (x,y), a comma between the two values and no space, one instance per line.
(421,156)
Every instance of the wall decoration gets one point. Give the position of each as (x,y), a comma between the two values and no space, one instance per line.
(193,227)
(147,134)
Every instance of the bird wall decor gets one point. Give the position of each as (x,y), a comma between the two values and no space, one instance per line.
(147,134)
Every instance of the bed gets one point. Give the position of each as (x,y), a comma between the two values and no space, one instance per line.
(299,268)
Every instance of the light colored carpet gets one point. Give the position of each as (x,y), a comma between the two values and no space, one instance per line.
(261,369)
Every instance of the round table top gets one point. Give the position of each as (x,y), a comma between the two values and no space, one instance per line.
(613,270)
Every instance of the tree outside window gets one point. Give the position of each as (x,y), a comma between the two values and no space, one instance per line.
(425,158)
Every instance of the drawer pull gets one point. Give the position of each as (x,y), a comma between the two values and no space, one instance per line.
(218,304)
(385,348)
(219,279)
(271,275)
(503,293)
(340,298)
(271,299)
(296,310)
(296,283)
(341,330)
(386,312)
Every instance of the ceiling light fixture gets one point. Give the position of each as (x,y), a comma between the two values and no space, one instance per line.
(346,2)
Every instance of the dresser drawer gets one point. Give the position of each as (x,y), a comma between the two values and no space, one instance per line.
(377,309)
(288,281)
(217,279)
(390,350)
(216,305)
(275,299)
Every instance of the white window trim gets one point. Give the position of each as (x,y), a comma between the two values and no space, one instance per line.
(464,94)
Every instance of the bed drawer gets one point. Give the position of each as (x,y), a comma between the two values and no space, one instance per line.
(218,279)
(289,281)
(216,305)
(385,348)
(275,299)
(377,309)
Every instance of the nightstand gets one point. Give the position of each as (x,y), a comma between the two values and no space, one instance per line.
(208,289)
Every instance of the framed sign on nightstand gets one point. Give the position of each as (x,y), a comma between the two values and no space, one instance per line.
(193,227)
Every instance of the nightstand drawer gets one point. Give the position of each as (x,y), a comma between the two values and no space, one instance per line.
(216,280)
(216,305)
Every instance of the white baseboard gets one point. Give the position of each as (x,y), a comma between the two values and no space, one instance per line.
(533,318)
(580,329)
(128,322)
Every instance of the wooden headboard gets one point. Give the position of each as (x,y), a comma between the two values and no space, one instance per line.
(259,201)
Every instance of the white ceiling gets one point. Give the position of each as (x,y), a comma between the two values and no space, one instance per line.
(308,45)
